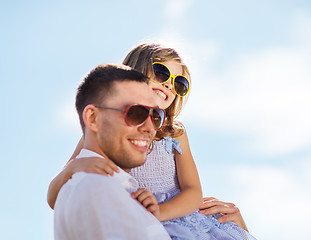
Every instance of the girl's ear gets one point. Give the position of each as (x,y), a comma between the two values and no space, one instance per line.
(90,117)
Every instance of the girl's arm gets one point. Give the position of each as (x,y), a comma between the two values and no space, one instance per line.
(62,177)
(91,165)
(78,148)
(190,197)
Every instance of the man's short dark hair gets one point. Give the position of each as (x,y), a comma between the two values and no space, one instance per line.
(98,83)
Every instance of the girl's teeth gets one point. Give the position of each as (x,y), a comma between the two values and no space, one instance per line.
(160,93)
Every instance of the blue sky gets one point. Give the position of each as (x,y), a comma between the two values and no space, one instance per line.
(248,115)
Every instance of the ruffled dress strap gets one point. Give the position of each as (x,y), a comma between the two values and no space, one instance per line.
(171,144)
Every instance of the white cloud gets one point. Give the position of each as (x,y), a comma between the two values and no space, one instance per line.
(175,9)
(264,95)
(301,30)
(67,117)
(276,200)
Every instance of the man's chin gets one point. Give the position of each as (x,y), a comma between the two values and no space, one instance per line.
(138,162)
(132,162)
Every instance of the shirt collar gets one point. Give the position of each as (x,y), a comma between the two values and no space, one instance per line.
(126,180)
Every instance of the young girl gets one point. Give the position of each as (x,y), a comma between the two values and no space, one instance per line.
(169,172)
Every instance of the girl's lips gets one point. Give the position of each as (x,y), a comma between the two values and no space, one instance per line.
(160,93)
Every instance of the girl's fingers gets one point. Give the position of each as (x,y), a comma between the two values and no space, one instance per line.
(91,163)
(97,165)
(144,197)
(112,166)
(104,163)
(137,193)
(153,208)
(108,170)
(147,202)
(115,167)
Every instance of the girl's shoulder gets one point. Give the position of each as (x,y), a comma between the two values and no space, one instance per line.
(183,141)
(183,136)
(169,144)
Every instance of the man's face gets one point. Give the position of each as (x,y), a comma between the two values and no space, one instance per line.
(125,145)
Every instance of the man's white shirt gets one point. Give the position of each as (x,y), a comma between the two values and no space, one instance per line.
(96,207)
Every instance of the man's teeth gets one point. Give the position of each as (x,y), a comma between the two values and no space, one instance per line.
(140,143)
(160,93)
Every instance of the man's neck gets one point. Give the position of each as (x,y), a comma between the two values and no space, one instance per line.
(100,152)
(93,146)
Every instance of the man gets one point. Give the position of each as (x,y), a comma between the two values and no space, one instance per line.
(119,118)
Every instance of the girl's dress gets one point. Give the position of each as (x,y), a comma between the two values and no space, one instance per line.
(158,175)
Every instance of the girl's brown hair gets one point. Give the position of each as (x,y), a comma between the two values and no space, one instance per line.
(141,58)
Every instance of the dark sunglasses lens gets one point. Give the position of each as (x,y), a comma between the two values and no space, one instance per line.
(181,85)
(161,73)
(158,118)
(136,115)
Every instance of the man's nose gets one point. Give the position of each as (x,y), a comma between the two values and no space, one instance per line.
(148,125)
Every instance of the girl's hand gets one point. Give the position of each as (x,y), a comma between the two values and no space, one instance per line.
(148,200)
(228,211)
(97,165)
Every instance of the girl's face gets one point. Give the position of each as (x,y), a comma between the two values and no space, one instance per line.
(165,91)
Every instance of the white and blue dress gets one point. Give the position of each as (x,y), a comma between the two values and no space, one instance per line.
(158,175)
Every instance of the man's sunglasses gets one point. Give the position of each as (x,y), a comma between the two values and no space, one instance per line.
(181,84)
(136,115)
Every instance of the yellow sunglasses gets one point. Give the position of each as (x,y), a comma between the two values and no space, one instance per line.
(181,84)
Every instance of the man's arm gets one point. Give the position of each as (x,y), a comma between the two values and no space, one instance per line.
(229,211)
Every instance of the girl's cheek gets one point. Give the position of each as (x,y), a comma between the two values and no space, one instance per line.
(172,98)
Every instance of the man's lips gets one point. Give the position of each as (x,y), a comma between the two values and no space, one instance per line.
(140,143)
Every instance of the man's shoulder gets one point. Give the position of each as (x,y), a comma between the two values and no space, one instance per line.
(95,181)
(95,187)
(103,204)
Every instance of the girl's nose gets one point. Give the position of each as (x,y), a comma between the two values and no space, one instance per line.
(169,84)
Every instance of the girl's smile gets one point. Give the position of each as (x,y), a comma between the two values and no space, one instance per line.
(160,93)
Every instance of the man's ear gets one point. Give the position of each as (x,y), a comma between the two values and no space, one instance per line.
(90,117)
